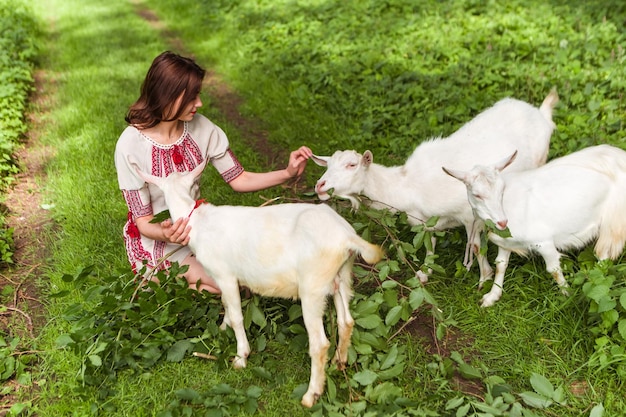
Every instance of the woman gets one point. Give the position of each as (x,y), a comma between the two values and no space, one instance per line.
(165,135)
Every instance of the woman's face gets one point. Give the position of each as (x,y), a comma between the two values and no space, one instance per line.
(189,111)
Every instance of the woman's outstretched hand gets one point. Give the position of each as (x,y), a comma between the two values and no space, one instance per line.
(297,161)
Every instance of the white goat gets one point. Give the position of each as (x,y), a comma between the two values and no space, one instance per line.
(292,251)
(422,190)
(562,205)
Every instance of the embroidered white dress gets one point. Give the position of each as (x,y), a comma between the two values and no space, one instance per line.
(201,139)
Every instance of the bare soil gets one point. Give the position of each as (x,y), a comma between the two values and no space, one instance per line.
(23,314)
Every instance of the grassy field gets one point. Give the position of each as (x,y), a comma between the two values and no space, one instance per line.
(379,75)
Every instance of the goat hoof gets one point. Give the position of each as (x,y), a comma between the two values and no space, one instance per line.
(309,399)
(488,301)
(239,362)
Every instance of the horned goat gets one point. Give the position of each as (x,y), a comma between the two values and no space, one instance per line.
(298,250)
(422,190)
(562,205)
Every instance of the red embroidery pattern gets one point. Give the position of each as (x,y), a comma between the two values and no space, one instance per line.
(135,205)
(159,252)
(235,171)
(180,158)
(134,248)
(177,157)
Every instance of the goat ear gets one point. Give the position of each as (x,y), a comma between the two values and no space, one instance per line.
(368,158)
(459,175)
(146,177)
(198,169)
(320,160)
(150,179)
(506,161)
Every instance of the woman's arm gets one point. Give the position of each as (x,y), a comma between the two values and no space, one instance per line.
(255,181)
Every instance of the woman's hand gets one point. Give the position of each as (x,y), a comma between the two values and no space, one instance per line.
(297,161)
(177,232)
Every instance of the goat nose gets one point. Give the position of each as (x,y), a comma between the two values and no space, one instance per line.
(502,224)
(319,185)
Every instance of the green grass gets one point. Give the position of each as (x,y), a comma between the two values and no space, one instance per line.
(355,74)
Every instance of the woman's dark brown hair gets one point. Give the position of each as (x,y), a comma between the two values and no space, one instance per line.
(169,76)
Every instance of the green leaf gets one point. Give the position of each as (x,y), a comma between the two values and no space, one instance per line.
(369,322)
(469,372)
(622,300)
(297,328)
(262,373)
(454,403)
(621,327)
(178,350)
(331,389)
(222,389)
(64,340)
(385,392)
(258,317)
(18,408)
(431,222)
(67,278)
(596,292)
(490,410)
(559,396)
(95,360)
(416,298)
(462,411)
(250,405)
(161,217)
(187,394)
(491,227)
(393,316)
(390,358)
(535,400)
(606,304)
(299,391)
(254,392)
(59,294)
(457,357)
(541,385)
(388,284)
(597,411)
(365,377)
(393,372)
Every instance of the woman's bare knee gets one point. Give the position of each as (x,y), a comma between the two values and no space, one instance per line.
(197,277)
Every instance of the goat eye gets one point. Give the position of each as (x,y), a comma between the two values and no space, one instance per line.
(351,165)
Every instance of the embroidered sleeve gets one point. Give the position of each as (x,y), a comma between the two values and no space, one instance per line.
(217,149)
(138,202)
(229,159)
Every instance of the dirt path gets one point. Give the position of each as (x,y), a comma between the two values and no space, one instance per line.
(24,308)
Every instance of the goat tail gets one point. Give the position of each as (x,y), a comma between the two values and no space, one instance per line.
(548,104)
(370,252)
(612,233)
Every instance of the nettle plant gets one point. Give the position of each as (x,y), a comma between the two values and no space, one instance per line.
(118,325)
(603,287)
